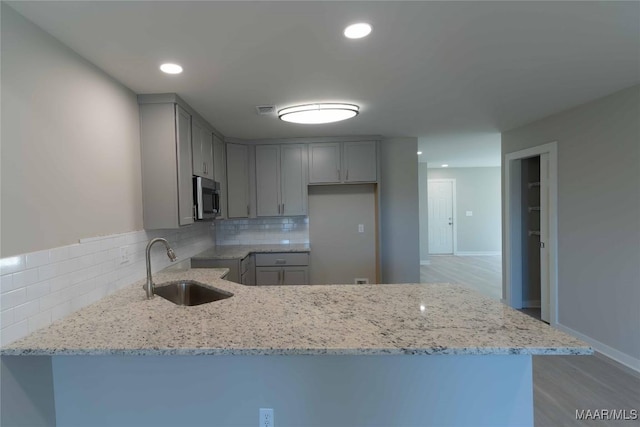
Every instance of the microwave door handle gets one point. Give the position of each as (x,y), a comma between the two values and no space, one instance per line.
(199,201)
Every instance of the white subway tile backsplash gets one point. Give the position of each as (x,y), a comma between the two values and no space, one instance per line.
(13,298)
(38,290)
(36,259)
(262,231)
(12,264)
(41,287)
(6,283)
(59,254)
(6,318)
(25,278)
(26,310)
(14,332)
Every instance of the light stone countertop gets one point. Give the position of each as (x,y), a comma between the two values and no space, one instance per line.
(241,251)
(423,319)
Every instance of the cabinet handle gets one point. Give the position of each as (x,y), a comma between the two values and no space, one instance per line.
(283,209)
(283,273)
(347,178)
(248,211)
(278,208)
(279,274)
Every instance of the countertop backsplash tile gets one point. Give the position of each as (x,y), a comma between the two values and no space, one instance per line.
(262,231)
(41,287)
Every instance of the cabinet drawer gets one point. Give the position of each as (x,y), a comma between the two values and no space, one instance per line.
(282,259)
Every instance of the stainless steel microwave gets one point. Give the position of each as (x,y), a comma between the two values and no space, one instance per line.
(206,196)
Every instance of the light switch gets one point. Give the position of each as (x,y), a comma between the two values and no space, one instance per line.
(469,213)
(360,228)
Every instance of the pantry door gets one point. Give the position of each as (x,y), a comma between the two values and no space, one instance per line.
(441,194)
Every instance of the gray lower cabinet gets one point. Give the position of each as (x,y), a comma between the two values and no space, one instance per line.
(165,139)
(282,269)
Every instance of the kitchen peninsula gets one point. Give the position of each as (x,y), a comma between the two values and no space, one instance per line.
(319,355)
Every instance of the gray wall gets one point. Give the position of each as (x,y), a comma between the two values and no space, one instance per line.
(70,164)
(477,190)
(339,252)
(598,215)
(399,211)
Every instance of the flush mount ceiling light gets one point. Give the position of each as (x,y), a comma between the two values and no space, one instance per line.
(445,166)
(419,153)
(312,114)
(357,31)
(171,68)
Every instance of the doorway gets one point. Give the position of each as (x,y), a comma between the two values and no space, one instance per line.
(531,230)
(441,214)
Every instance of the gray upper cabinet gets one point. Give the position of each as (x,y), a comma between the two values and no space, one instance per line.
(345,162)
(324,163)
(165,138)
(360,161)
(202,147)
(237,181)
(281,180)
(220,173)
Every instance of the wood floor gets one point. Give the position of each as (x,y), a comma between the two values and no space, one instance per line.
(561,384)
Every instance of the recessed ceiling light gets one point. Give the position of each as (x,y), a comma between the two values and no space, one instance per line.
(171,68)
(445,166)
(419,153)
(357,31)
(318,113)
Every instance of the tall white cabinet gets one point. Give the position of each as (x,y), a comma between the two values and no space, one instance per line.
(165,138)
(238,204)
(281,180)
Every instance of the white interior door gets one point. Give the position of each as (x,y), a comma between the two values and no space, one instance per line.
(440,207)
(544,238)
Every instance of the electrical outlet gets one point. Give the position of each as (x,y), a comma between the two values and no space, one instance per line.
(266,417)
(469,213)
(360,228)
(124,255)
(361,281)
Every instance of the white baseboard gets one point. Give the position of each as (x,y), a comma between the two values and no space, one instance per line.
(425,262)
(531,304)
(620,357)
(470,253)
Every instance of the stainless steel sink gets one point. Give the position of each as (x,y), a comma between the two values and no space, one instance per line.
(189,292)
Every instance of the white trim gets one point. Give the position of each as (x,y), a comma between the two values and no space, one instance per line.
(514,296)
(454,213)
(477,253)
(425,262)
(620,357)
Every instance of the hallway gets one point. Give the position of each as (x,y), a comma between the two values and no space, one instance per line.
(480,273)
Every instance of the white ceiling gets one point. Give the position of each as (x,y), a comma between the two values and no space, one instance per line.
(454,74)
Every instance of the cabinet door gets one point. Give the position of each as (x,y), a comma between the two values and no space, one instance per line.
(324,163)
(293,172)
(268,180)
(207,153)
(185,182)
(295,275)
(268,275)
(197,142)
(360,162)
(237,181)
(220,173)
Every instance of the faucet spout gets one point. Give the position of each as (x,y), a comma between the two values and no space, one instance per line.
(172,256)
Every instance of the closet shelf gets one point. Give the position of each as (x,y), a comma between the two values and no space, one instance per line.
(534,208)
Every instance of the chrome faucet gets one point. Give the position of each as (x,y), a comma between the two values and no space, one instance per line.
(172,256)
